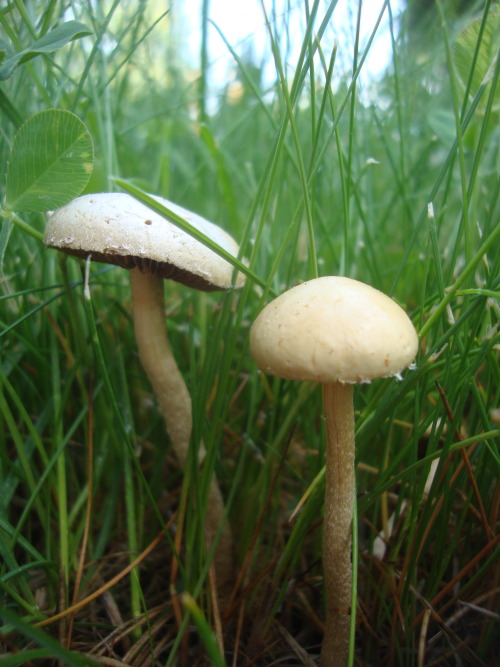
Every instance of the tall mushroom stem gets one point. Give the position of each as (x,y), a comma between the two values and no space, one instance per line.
(337,522)
(158,361)
(175,403)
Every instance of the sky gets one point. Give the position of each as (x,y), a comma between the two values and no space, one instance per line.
(242,23)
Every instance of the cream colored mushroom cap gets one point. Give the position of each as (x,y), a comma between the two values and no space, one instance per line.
(117,229)
(333,329)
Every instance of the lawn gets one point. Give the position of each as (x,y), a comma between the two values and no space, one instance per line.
(315,166)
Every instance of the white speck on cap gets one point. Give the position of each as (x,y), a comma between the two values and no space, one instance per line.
(117,229)
(333,329)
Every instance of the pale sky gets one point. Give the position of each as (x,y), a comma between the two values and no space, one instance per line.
(242,22)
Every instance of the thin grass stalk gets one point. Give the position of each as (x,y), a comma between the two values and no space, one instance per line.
(448,162)
(483,250)
(313,268)
(88,509)
(100,33)
(485,129)
(484,18)
(345,255)
(465,227)
(205,5)
(61,484)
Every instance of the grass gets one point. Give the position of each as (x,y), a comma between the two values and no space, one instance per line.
(103,556)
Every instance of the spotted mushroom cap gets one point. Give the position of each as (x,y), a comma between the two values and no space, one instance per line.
(117,229)
(333,329)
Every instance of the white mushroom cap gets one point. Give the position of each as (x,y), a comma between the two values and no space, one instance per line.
(118,229)
(333,330)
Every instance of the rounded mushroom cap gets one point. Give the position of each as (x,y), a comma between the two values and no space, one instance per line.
(118,229)
(333,330)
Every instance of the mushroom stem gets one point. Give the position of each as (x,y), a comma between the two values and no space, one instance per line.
(175,403)
(339,503)
(158,361)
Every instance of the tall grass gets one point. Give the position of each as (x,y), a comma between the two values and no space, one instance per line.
(317,172)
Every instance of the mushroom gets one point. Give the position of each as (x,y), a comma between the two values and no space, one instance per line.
(339,332)
(117,229)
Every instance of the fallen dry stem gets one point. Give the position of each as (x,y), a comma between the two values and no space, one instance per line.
(484,519)
(112,582)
